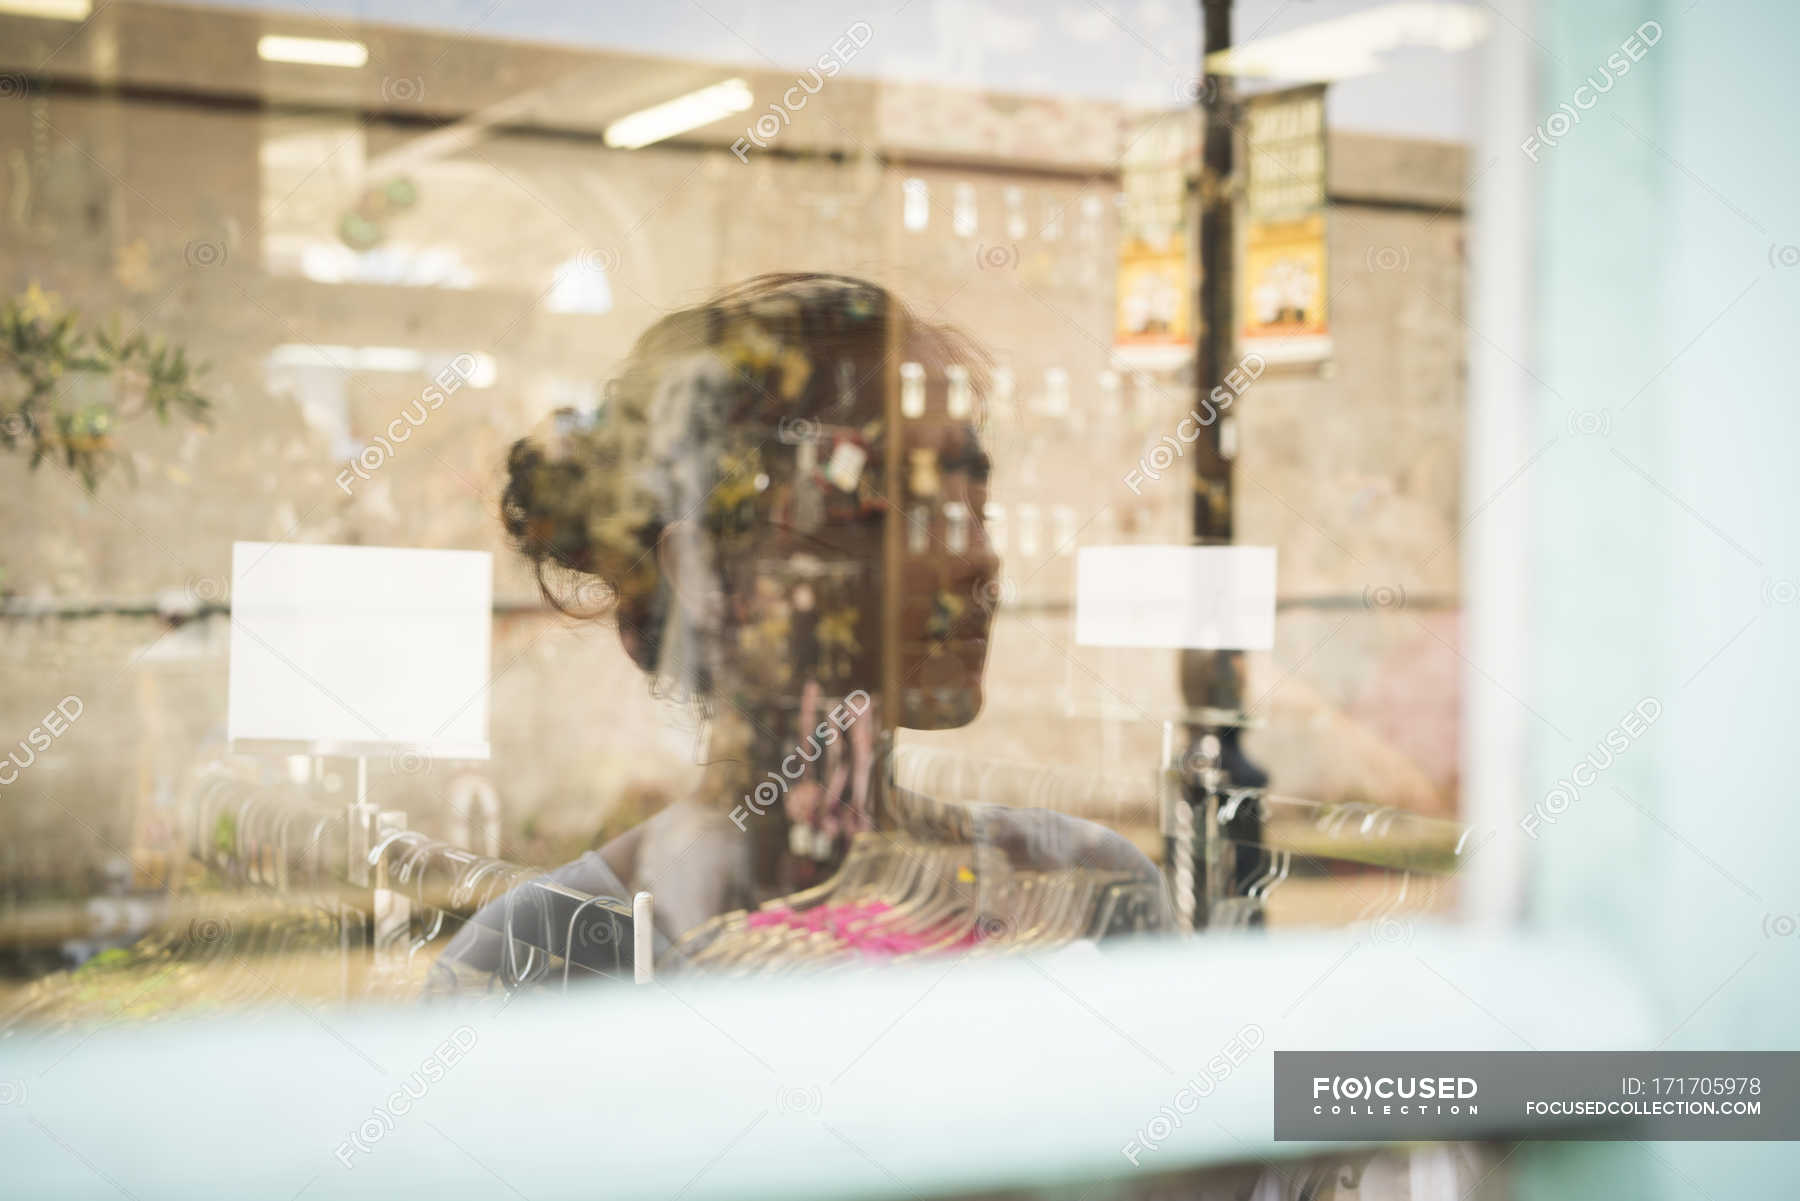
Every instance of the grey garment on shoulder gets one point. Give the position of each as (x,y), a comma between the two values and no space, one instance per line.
(1042,840)
(479,946)
(694,863)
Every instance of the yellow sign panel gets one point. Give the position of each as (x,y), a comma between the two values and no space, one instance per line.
(1283,300)
(1153,300)
(1283,288)
(1155,305)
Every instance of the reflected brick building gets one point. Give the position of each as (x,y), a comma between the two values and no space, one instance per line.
(158,169)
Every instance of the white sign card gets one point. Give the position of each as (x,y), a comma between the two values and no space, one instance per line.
(1188,597)
(355,650)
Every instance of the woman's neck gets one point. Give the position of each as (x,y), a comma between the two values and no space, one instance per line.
(799,781)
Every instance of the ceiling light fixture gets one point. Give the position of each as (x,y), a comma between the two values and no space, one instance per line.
(314,52)
(679,115)
(51,10)
(1353,45)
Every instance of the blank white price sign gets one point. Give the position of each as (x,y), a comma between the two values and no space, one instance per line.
(1189,597)
(353,650)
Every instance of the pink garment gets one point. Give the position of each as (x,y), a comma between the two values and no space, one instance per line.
(854,926)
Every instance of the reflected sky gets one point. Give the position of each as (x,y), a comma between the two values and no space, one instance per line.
(1141,52)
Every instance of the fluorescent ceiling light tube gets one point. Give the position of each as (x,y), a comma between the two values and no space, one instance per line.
(316,52)
(679,115)
(1353,45)
(53,10)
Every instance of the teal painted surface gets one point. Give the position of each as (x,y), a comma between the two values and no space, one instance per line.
(943,1077)
(1664,561)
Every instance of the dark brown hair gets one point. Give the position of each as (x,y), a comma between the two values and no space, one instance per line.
(587,506)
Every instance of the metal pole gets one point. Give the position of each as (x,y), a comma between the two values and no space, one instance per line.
(1217,259)
(643,945)
(1210,679)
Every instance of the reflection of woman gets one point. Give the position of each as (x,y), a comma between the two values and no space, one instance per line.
(729,499)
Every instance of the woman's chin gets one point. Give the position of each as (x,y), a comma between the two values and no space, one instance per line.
(942,708)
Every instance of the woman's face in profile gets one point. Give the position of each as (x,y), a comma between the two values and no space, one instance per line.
(949,575)
(944,587)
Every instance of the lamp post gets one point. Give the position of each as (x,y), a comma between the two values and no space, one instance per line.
(1211,680)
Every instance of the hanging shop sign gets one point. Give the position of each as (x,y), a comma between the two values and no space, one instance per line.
(1154,322)
(360,650)
(1192,597)
(1284,280)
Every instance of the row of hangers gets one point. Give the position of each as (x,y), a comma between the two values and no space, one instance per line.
(896,898)
(282,949)
(1374,835)
(276,840)
(948,775)
(541,922)
(1402,843)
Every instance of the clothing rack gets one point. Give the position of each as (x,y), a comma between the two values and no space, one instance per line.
(896,898)
(393,892)
(1204,822)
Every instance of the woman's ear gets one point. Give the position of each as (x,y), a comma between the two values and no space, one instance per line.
(684,558)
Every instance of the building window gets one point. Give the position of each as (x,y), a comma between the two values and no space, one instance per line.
(962,217)
(1004,384)
(1028,530)
(1149,394)
(1109,394)
(912,390)
(916,210)
(993,517)
(1092,209)
(1062,520)
(1015,212)
(959,395)
(1056,392)
(918,528)
(956,527)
